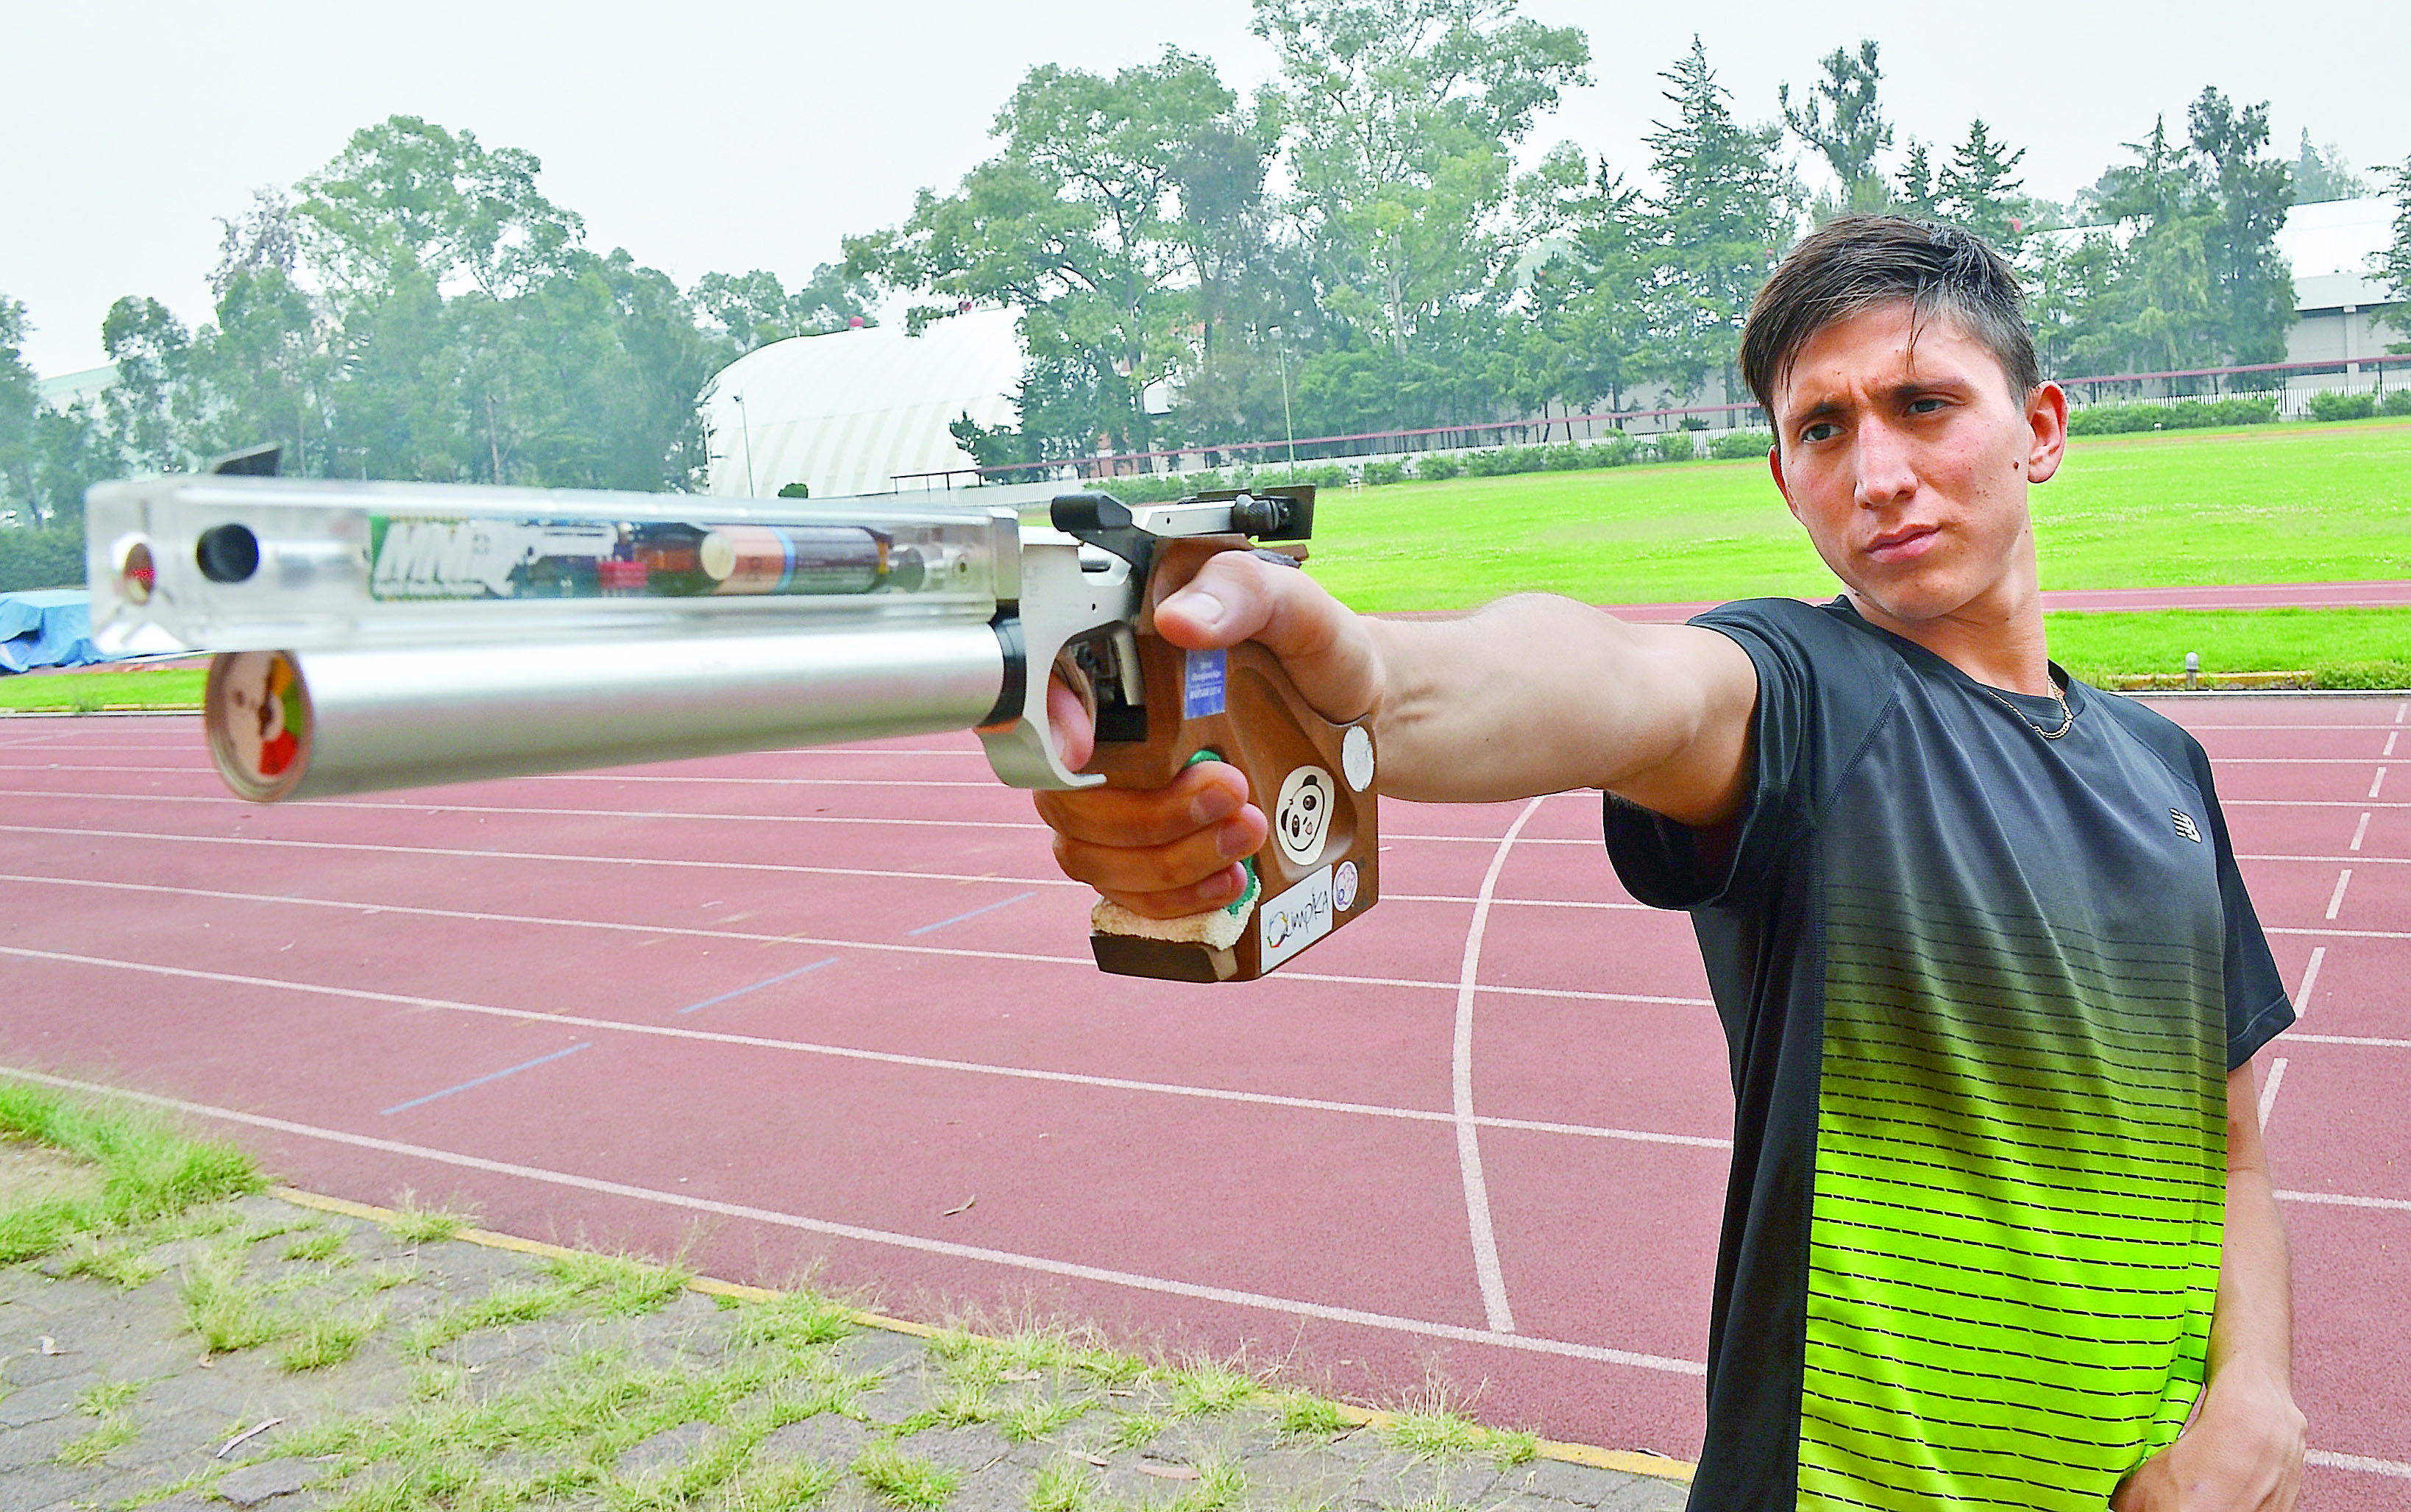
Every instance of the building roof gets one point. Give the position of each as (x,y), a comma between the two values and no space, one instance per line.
(2331,246)
(853,411)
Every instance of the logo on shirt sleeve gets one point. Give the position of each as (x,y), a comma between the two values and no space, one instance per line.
(2184,822)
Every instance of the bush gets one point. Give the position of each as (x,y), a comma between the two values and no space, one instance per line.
(2330,406)
(2397,401)
(1433,467)
(1741,445)
(2180,415)
(47,556)
(1673,446)
(1503,461)
(1381,474)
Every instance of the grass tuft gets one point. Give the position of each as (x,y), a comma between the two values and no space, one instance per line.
(327,1337)
(1061,1486)
(901,1480)
(116,1431)
(119,1262)
(106,1397)
(413,1226)
(1029,1421)
(1209,1390)
(1301,1415)
(778,1486)
(227,1311)
(316,1248)
(618,1286)
(147,1170)
(798,1320)
(506,1304)
(1447,1435)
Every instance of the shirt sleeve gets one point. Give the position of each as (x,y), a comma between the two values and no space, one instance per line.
(2257,1008)
(1819,685)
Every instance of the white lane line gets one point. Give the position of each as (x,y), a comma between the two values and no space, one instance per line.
(2337,1199)
(1526,903)
(2378,782)
(1469,1147)
(2338,934)
(2336,900)
(2268,1090)
(432,809)
(2331,860)
(2391,736)
(473,916)
(2302,804)
(907,1241)
(2400,708)
(2349,1039)
(2360,830)
(2362,1462)
(154,837)
(846,1053)
(2310,979)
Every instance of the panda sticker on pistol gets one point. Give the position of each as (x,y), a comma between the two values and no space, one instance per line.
(1302,818)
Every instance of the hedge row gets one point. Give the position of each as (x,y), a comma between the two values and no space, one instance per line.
(2330,406)
(1617,449)
(2185,415)
(45,557)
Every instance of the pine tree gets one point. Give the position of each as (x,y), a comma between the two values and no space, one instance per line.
(1841,119)
(1976,191)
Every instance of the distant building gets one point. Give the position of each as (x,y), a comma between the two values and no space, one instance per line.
(69,388)
(858,411)
(2344,313)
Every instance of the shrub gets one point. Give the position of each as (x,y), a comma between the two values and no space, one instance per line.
(1433,467)
(2397,401)
(2179,415)
(2331,406)
(1381,474)
(47,556)
(1329,476)
(1741,445)
(1613,449)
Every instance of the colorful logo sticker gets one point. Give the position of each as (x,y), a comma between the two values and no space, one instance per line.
(1296,919)
(1303,816)
(1343,887)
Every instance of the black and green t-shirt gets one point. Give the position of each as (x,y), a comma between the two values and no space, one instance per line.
(1982,990)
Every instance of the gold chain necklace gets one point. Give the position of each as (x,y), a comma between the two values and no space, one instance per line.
(2066,714)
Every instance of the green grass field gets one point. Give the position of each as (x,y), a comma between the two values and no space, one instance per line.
(2253,504)
(82,692)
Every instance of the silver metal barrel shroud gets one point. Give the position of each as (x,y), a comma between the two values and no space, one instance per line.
(285,724)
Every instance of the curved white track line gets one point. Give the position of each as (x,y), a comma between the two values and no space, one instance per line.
(1469,1145)
(908,1242)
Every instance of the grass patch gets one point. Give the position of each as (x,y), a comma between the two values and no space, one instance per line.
(2340,648)
(117,1261)
(1029,1421)
(161,688)
(145,1168)
(115,1432)
(507,1303)
(318,1248)
(618,1286)
(327,1337)
(225,1311)
(414,1225)
(2252,505)
(1061,1486)
(1300,1415)
(1208,1390)
(1447,1435)
(798,1320)
(901,1480)
(776,1487)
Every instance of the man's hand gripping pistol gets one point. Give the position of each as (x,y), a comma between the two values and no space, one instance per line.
(384,635)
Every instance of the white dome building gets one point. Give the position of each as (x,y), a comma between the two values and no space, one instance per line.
(860,411)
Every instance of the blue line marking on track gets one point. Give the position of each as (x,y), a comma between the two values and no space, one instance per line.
(491,1076)
(768,981)
(974,912)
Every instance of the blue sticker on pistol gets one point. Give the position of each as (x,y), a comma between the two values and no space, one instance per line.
(1202,691)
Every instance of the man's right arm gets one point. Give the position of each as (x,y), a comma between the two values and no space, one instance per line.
(1532,695)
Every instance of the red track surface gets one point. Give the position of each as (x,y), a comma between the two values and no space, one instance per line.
(2380,595)
(832,1010)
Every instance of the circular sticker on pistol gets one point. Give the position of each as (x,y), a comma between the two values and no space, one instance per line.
(1343,887)
(1303,816)
(1356,759)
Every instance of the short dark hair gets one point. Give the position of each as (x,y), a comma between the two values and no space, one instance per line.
(1854,262)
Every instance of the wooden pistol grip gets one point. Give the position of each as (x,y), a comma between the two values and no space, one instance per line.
(1319,866)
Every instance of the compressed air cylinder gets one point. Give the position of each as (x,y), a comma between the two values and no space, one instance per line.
(284,725)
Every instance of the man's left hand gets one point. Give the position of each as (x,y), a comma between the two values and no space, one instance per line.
(2242,1454)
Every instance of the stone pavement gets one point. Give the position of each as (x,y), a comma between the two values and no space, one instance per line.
(479,1376)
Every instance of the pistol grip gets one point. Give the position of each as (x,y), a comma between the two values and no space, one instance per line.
(1318,868)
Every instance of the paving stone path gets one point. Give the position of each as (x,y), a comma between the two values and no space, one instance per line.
(456,1374)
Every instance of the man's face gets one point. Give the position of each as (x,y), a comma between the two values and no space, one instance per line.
(1909,464)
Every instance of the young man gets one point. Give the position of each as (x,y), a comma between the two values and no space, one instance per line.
(2000,1231)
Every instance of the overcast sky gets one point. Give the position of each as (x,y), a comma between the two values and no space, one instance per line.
(735,134)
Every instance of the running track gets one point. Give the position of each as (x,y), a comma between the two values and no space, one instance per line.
(830,1012)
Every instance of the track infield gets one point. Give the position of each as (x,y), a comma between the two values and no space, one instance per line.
(830,1013)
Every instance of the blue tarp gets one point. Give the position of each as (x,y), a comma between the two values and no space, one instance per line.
(49,628)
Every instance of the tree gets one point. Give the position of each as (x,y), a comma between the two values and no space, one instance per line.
(1722,216)
(1919,195)
(150,408)
(2248,194)
(2322,174)
(2393,264)
(1078,225)
(406,193)
(1401,114)
(1840,118)
(754,309)
(263,238)
(1975,190)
